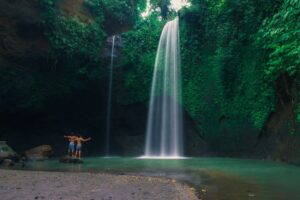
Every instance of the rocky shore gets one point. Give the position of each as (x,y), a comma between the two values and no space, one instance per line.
(17,184)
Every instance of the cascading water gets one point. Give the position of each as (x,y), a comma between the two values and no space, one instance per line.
(164,134)
(108,119)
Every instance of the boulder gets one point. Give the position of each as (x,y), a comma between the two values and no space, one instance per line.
(6,151)
(69,159)
(41,152)
(8,163)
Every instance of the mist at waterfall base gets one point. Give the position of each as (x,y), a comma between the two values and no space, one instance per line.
(164,133)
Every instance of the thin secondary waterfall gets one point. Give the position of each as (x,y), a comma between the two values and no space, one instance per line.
(164,134)
(108,119)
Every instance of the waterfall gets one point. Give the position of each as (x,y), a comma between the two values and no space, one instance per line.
(164,134)
(108,119)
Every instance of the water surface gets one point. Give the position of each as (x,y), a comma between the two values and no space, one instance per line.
(212,178)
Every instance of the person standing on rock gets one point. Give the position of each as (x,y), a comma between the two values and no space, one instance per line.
(71,149)
(79,141)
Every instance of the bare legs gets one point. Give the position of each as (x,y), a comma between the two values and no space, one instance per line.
(78,154)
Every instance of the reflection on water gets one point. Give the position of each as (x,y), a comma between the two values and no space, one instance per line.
(212,178)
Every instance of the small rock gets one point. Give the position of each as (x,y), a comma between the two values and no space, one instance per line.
(69,159)
(251,195)
(41,152)
(8,163)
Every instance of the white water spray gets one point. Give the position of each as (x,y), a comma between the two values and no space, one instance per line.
(164,134)
(109,98)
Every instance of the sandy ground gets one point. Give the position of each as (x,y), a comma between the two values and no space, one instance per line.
(33,185)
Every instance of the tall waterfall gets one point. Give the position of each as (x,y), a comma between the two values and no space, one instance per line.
(164,134)
(108,119)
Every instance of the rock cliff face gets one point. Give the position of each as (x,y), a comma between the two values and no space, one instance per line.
(22,42)
(279,139)
(130,128)
(75,8)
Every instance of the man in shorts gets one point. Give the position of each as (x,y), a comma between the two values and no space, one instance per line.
(79,141)
(71,149)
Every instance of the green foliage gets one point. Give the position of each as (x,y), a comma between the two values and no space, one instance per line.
(69,36)
(125,12)
(298,113)
(298,106)
(74,61)
(76,46)
(163,5)
(280,36)
(223,68)
(222,65)
(193,73)
(139,52)
(120,8)
(76,38)
(232,52)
